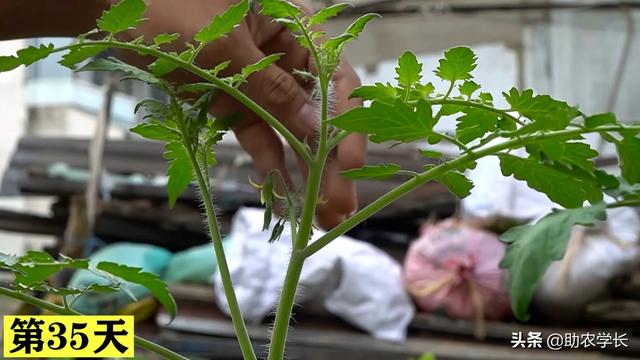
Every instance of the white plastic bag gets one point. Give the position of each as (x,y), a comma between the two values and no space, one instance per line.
(351,279)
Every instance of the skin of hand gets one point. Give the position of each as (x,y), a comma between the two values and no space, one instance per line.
(275,89)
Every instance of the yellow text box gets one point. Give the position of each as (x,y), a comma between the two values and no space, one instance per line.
(68,336)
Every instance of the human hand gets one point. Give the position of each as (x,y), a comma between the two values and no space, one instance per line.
(275,89)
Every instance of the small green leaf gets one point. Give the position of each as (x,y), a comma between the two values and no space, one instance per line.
(80,54)
(599,120)
(468,88)
(162,66)
(457,64)
(358,25)
(409,70)
(431,154)
(562,188)
(333,47)
(475,124)
(376,172)
(150,281)
(196,88)
(224,23)
(327,13)
(279,9)
(385,122)
(220,67)
(165,38)
(379,91)
(155,131)
(125,15)
(26,57)
(629,154)
(486,98)
(180,172)
(572,153)
(456,182)
(260,65)
(37,266)
(532,249)
(130,71)
(545,112)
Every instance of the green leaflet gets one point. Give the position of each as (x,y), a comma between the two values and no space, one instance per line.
(130,71)
(629,154)
(327,13)
(457,64)
(379,91)
(80,54)
(122,16)
(279,9)
(37,266)
(26,57)
(156,131)
(150,281)
(457,183)
(559,186)
(532,249)
(161,39)
(409,70)
(179,172)
(224,23)
(475,123)
(375,172)
(260,65)
(468,88)
(388,122)
(545,112)
(571,153)
(599,120)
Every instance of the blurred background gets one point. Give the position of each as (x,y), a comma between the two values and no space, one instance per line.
(582,52)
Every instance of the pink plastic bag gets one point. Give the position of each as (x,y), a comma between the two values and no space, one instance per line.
(454,267)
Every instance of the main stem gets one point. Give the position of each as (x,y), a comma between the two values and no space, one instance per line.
(296,262)
(214,231)
(139,341)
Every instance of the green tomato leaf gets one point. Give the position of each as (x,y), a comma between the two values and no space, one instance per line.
(545,112)
(260,64)
(155,131)
(162,67)
(376,172)
(456,182)
(559,186)
(409,70)
(599,120)
(468,88)
(180,172)
(532,249)
(224,23)
(629,154)
(571,153)
(475,124)
(80,54)
(431,154)
(327,13)
(385,122)
(379,91)
(131,72)
(37,266)
(26,57)
(358,25)
(125,15)
(165,38)
(279,9)
(150,281)
(486,98)
(457,64)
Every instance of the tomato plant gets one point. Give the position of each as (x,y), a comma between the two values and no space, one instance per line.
(558,162)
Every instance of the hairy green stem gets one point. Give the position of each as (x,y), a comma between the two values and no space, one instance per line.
(214,231)
(441,169)
(139,341)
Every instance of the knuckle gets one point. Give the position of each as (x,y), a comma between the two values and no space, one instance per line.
(280,89)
